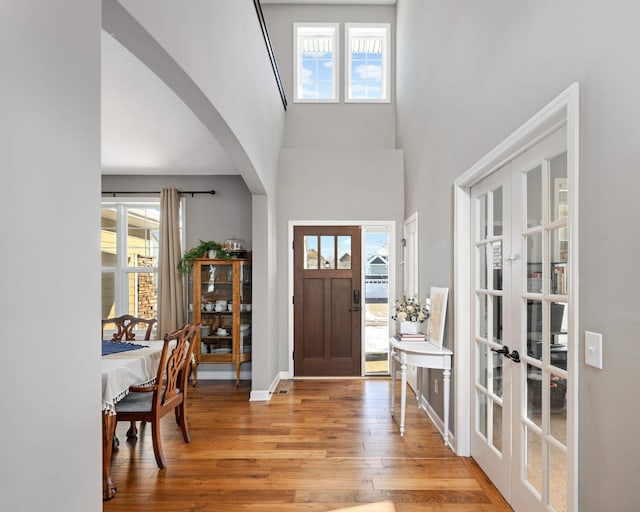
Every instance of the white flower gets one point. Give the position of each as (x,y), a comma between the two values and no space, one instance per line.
(409,310)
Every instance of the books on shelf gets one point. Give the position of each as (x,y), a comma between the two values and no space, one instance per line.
(403,336)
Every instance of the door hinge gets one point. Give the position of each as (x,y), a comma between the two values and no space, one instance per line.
(293,299)
(293,246)
(293,355)
(404,242)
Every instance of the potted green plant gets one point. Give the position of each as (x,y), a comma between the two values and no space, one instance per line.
(199,251)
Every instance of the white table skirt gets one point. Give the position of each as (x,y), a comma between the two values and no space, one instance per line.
(124,369)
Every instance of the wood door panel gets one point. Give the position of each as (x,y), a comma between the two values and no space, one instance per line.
(340,341)
(327,323)
(313,318)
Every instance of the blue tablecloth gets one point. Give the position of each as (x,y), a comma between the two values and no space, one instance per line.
(113,347)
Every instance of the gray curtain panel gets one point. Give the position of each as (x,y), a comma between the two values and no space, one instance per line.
(170,294)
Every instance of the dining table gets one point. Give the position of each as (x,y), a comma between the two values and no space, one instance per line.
(124,364)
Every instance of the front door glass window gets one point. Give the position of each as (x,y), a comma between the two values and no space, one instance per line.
(310,252)
(344,252)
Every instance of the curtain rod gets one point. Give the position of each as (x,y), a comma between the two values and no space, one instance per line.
(181,192)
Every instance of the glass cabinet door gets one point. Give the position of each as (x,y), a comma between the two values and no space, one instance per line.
(216,308)
(245,308)
(221,303)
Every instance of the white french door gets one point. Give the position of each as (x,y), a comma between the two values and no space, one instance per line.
(519,307)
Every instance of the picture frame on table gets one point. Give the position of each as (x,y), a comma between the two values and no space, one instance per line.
(437,316)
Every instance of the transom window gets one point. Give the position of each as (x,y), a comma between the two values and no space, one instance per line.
(367,58)
(316,65)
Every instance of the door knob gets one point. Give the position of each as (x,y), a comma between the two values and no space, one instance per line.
(504,350)
(514,356)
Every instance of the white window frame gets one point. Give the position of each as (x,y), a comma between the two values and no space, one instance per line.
(121,270)
(354,29)
(299,30)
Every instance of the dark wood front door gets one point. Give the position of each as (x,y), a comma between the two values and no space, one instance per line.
(327,300)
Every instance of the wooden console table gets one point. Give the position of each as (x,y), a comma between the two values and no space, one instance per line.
(423,355)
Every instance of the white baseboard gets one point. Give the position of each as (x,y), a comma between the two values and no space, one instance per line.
(258,395)
(435,419)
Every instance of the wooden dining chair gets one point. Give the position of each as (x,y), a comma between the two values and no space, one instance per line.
(169,393)
(126,325)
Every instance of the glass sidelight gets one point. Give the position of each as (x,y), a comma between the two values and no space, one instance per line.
(375,299)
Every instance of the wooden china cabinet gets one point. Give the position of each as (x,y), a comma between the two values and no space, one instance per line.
(220,301)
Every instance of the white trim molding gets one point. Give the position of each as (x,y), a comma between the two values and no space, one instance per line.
(436,420)
(261,395)
(563,109)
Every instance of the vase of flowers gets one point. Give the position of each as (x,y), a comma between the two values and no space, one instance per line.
(409,314)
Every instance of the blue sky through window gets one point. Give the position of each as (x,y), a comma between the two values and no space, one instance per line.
(366,75)
(373,242)
(317,75)
(316,66)
(368,47)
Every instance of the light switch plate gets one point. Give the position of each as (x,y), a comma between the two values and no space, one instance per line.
(593,349)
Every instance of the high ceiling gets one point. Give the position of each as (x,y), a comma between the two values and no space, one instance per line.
(147,129)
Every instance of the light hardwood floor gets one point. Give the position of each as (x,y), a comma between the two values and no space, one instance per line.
(325,445)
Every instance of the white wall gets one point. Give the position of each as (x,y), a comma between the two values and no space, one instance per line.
(219,45)
(340,161)
(265,371)
(469,73)
(340,185)
(49,228)
(227,214)
(331,125)
(218,64)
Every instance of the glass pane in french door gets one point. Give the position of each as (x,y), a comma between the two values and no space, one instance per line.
(520,300)
(489,318)
(492,322)
(543,421)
